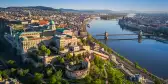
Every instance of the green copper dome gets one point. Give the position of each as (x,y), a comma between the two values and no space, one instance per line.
(52,22)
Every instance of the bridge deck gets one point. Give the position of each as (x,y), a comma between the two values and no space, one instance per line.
(123,34)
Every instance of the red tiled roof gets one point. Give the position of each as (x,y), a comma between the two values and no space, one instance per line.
(43,22)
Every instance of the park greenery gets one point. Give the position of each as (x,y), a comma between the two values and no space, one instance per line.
(13,71)
(60,59)
(56,78)
(72,59)
(114,76)
(35,77)
(98,75)
(43,50)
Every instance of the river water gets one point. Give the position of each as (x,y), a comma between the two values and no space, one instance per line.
(150,54)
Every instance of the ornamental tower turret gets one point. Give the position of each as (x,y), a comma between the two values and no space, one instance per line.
(52,25)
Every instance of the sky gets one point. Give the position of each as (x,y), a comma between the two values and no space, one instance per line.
(116,5)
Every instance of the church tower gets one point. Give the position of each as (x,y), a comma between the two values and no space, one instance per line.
(52,25)
(30,14)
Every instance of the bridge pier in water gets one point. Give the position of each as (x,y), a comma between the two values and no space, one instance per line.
(106,35)
(140,34)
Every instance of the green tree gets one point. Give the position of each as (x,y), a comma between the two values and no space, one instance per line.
(56,78)
(62,60)
(11,63)
(59,75)
(84,42)
(38,78)
(40,52)
(47,51)
(0,72)
(95,71)
(99,62)
(5,74)
(157,81)
(49,72)
(1,78)
(13,70)
(71,63)
(53,79)
(98,81)
(89,37)
(65,82)
(43,48)
(88,79)
(25,71)
(20,72)
(69,56)
(137,65)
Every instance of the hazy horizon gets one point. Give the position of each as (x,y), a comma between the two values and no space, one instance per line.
(114,5)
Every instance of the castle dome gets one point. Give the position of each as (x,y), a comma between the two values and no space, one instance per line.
(52,22)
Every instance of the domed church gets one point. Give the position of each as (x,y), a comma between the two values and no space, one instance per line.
(52,25)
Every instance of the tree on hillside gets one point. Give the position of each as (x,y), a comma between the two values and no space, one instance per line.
(20,72)
(13,70)
(157,81)
(11,63)
(98,61)
(62,60)
(98,81)
(56,78)
(38,78)
(49,72)
(47,51)
(69,56)
(6,74)
(43,48)
(88,79)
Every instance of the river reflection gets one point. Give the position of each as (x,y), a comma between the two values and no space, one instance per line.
(150,53)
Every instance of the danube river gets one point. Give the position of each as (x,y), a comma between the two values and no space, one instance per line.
(149,53)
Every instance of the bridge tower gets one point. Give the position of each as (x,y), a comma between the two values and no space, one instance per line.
(140,34)
(105,35)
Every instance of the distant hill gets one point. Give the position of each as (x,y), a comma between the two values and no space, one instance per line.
(42,8)
(29,8)
(52,9)
(68,10)
(75,11)
(61,9)
(86,11)
(2,8)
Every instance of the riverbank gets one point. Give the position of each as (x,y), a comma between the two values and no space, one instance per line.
(131,64)
(151,30)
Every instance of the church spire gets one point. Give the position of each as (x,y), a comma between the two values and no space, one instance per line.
(29,14)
